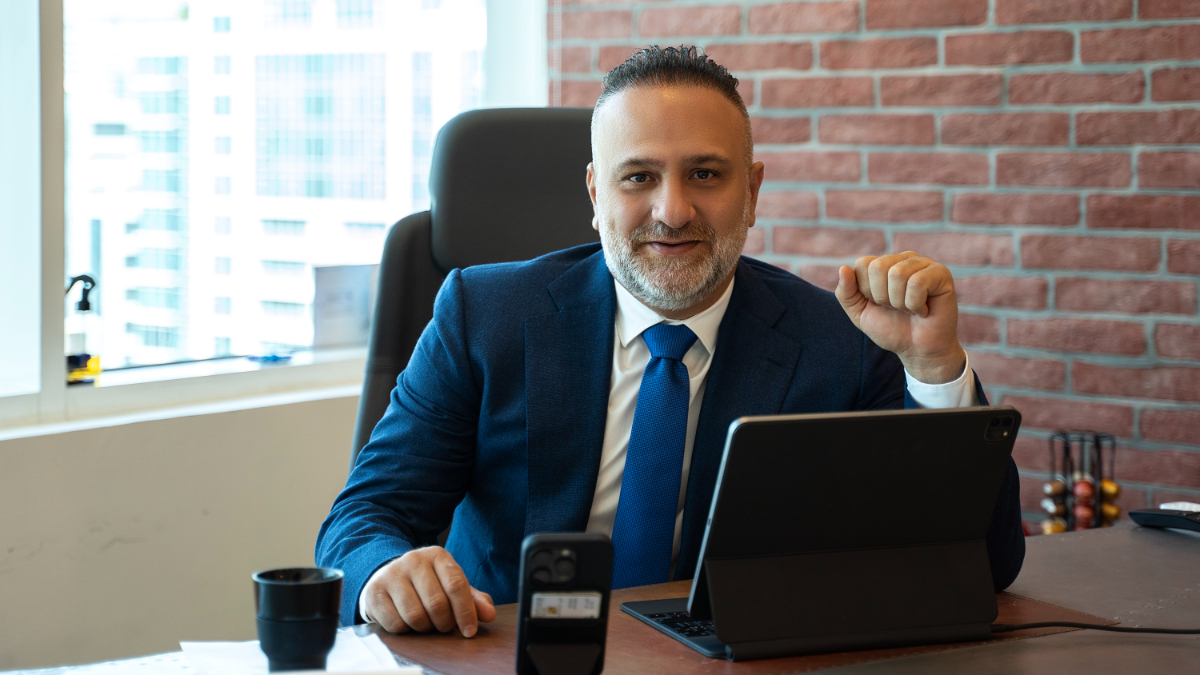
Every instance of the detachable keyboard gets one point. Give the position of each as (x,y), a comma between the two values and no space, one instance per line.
(671,617)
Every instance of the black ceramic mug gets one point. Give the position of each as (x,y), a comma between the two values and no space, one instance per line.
(297,613)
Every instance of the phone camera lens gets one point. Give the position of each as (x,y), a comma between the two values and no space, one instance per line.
(541,575)
(995,422)
(564,569)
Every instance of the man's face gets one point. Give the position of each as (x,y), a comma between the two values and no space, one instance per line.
(672,190)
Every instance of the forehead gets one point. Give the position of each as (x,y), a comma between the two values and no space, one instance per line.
(666,122)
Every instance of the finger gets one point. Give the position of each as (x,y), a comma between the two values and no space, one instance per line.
(933,280)
(848,294)
(433,598)
(458,591)
(381,607)
(862,276)
(897,279)
(877,276)
(409,605)
(484,607)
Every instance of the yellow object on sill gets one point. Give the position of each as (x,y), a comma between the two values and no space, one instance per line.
(85,374)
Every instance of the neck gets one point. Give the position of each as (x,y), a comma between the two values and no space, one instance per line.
(688,312)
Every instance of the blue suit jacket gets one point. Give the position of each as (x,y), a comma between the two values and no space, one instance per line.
(498,420)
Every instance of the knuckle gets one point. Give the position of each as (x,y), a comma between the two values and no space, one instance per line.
(415,618)
(438,605)
(456,584)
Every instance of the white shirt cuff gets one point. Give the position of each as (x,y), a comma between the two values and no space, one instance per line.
(957,394)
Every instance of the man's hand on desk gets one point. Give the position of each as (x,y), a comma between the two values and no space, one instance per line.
(906,304)
(423,590)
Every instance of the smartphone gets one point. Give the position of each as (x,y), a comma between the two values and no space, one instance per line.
(563,611)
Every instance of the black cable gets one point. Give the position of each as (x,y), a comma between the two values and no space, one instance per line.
(1009,627)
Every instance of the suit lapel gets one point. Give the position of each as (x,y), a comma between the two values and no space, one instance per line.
(751,373)
(568,366)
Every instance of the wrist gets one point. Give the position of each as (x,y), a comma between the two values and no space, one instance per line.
(940,368)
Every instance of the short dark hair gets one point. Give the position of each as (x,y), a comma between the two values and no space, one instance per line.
(684,65)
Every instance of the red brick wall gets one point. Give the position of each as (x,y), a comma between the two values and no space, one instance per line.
(1048,151)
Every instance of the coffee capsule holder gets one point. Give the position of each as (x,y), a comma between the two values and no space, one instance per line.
(1081,495)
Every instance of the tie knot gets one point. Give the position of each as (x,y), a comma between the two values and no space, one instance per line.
(668,342)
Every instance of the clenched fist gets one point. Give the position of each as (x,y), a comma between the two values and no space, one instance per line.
(422,590)
(906,304)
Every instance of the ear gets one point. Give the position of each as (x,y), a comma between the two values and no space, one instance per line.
(757,173)
(591,185)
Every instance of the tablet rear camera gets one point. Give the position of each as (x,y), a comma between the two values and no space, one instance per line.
(999,428)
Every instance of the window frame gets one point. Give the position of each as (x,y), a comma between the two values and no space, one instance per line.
(510,27)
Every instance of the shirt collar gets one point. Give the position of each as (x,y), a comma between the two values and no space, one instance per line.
(633,318)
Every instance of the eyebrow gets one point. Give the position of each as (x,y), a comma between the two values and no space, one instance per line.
(646,162)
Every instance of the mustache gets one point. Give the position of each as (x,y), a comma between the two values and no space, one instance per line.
(660,231)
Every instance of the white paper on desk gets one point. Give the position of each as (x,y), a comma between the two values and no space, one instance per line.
(350,654)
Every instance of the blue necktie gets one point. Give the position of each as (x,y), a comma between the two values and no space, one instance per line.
(644,529)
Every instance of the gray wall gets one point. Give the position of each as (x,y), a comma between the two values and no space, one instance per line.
(121,541)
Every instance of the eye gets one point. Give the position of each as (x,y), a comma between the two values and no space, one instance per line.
(704,174)
(638,178)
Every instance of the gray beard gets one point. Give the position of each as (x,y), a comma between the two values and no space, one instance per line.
(667,284)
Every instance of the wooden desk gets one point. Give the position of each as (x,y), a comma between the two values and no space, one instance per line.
(1126,574)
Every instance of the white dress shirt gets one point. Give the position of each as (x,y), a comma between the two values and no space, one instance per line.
(630,356)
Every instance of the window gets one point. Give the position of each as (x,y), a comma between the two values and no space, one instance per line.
(222,305)
(221,105)
(224,185)
(287,268)
(355,13)
(223,145)
(277,308)
(293,228)
(134,81)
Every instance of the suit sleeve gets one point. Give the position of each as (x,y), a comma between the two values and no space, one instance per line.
(882,386)
(414,471)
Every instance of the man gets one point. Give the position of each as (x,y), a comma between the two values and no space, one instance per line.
(591,389)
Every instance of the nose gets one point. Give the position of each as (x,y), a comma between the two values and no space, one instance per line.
(672,205)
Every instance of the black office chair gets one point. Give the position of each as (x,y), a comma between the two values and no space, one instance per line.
(506,184)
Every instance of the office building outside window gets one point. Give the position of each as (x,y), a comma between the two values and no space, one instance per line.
(210,170)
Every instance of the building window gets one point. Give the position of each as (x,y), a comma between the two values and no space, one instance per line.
(286,268)
(167,298)
(221,105)
(276,308)
(163,102)
(222,266)
(222,305)
(355,13)
(223,145)
(224,225)
(221,347)
(169,220)
(161,65)
(108,129)
(422,125)
(293,228)
(288,13)
(321,126)
(221,24)
(156,258)
(160,141)
(154,336)
(221,65)
(224,185)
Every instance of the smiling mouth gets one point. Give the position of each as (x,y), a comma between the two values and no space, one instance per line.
(673,248)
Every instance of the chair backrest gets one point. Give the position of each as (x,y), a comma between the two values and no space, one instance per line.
(506,184)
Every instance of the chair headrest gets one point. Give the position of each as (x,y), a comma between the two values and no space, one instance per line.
(510,184)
